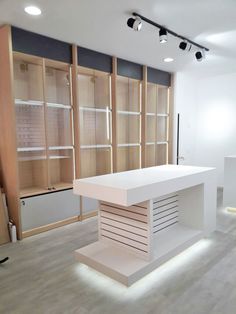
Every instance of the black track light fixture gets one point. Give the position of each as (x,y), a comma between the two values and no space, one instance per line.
(163,35)
(135,23)
(200,55)
(183,45)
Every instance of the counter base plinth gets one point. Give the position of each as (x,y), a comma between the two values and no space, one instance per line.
(127,268)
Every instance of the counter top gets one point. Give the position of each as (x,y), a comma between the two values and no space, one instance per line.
(135,186)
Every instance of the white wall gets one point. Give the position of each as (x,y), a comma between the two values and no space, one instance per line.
(208,119)
(186,105)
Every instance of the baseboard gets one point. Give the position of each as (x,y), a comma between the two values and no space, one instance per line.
(31,232)
(89,215)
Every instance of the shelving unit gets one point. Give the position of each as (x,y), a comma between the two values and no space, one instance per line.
(157,125)
(94,91)
(59,134)
(43,124)
(72,112)
(128,104)
(30,123)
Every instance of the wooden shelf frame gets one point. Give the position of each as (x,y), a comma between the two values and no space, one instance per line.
(57,108)
(157,125)
(12,155)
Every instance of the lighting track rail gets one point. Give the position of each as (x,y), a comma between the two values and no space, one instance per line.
(145,19)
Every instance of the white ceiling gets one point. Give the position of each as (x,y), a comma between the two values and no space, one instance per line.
(101,25)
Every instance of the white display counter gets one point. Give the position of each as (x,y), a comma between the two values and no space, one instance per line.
(147,216)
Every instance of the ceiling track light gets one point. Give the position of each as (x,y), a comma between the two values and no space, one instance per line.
(186,44)
(135,23)
(163,35)
(200,55)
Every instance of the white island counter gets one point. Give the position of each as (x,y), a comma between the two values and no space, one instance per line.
(147,216)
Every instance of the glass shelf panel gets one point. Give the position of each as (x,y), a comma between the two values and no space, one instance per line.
(128,94)
(30,126)
(151,98)
(150,155)
(151,128)
(162,102)
(61,167)
(161,154)
(59,127)
(95,127)
(32,170)
(57,86)
(94,88)
(28,80)
(95,161)
(162,129)
(128,158)
(128,129)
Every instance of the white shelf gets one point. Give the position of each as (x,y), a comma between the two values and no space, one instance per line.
(28,102)
(60,147)
(158,114)
(95,146)
(162,115)
(41,158)
(150,143)
(161,143)
(59,157)
(95,109)
(134,113)
(54,105)
(129,145)
(30,149)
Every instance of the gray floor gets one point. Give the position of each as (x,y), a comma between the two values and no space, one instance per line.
(43,277)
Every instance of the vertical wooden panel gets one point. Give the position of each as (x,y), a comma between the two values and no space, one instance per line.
(8,134)
(46,126)
(143,117)
(76,110)
(4,234)
(114,127)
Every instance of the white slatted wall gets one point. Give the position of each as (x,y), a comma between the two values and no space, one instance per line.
(126,226)
(165,212)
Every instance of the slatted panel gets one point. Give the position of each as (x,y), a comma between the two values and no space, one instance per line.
(165,212)
(126,226)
